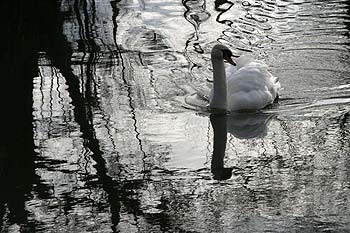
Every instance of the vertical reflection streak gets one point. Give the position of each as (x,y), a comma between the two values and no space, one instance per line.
(81,42)
(343,121)
(127,72)
(41,88)
(275,146)
(232,145)
(61,100)
(49,132)
(195,21)
(208,155)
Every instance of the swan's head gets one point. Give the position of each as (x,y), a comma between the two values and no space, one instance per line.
(221,52)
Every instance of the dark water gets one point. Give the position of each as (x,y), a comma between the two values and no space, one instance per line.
(104,128)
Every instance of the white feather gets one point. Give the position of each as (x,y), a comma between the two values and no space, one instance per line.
(250,86)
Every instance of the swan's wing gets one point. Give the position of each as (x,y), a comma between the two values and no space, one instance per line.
(246,60)
(251,87)
(256,68)
(230,70)
(243,61)
(249,78)
(273,83)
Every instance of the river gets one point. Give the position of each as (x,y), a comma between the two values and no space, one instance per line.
(124,142)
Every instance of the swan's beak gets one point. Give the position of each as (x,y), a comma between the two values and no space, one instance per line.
(229,60)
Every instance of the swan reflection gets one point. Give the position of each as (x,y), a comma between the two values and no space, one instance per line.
(240,125)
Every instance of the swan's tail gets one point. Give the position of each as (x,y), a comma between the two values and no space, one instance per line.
(276,82)
(244,60)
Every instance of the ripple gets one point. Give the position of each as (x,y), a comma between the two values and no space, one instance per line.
(129,145)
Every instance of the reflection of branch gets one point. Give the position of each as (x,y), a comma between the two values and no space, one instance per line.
(20,23)
(126,73)
(219,3)
(195,21)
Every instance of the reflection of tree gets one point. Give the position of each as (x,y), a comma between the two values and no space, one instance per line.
(347,23)
(22,27)
(219,3)
(83,111)
(41,30)
(84,98)
(195,13)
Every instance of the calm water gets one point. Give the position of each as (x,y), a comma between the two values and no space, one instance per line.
(123,142)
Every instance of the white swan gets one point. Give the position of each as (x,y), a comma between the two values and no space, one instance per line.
(246,85)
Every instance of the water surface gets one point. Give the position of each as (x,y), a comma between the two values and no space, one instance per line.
(119,149)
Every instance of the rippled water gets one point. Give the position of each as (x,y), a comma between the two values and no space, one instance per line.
(124,142)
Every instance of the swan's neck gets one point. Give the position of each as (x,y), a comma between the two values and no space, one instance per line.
(219,95)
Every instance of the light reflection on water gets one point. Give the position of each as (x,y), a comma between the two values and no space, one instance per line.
(119,148)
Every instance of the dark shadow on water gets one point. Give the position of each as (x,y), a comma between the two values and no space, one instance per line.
(240,125)
(30,27)
(219,124)
(20,22)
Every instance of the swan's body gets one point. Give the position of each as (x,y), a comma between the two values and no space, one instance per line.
(246,86)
